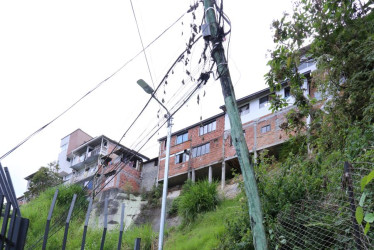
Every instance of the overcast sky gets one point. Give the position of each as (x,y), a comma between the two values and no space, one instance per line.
(53,52)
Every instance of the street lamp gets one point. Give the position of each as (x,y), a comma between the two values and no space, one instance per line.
(150,91)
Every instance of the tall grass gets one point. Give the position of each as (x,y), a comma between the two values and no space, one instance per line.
(197,198)
(37,211)
(205,232)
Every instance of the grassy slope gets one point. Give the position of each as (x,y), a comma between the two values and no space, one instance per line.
(204,233)
(37,210)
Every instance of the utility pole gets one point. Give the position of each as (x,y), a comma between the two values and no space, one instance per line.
(255,211)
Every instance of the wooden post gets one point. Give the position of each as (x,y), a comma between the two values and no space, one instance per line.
(255,211)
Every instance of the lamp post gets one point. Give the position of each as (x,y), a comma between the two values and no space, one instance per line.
(150,91)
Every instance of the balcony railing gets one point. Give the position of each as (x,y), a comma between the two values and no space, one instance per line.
(96,151)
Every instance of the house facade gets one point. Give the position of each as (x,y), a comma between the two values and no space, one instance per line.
(205,149)
(100,162)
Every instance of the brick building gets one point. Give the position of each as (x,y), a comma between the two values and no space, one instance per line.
(205,149)
(100,162)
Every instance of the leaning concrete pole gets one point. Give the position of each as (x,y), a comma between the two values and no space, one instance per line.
(255,212)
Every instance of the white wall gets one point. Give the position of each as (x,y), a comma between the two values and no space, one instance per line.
(62,162)
(256,112)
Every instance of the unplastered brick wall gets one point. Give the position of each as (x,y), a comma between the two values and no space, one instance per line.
(215,139)
(127,179)
(256,136)
(261,133)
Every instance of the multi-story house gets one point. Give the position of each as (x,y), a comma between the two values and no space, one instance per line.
(205,149)
(100,162)
(68,143)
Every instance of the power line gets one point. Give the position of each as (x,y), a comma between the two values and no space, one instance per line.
(89,92)
(121,168)
(141,41)
(118,143)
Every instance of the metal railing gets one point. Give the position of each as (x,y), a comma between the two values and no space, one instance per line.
(83,242)
(14,227)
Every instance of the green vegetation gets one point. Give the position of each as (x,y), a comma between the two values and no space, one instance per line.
(37,211)
(153,196)
(43,179)
(205,232)
(197,198)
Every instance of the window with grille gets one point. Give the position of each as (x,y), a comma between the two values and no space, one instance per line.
(182,138)
(265,129)
(201,150)
(182,157)
(207,128)
(264,101)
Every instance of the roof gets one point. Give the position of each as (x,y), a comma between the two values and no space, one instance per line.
(99,138)
(29,177)
(194,125)
(249,97)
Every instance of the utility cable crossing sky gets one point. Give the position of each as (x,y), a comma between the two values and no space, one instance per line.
(202,79)
(88,93)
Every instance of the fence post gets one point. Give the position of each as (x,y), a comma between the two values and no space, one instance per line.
(68,221)
(105,223)
(86,224)
(49,220)
(5,224)
(121,227)
(348,181)
(11,189)
(137,244)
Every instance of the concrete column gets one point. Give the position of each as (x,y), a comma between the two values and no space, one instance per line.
(210,174)
(223,178)
(193,175)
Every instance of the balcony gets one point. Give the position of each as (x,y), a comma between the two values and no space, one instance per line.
(83,174)
(86,158)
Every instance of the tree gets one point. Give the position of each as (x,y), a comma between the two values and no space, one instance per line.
(44,178)
(341,38)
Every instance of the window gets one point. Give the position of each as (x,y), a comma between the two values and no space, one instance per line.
(182,138)
(287,92)
(264,101)
(265,129)
(244,109)
(207,128)
(201,150)
(182,157)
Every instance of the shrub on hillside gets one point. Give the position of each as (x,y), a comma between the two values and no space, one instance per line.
(197,198)
(153,196)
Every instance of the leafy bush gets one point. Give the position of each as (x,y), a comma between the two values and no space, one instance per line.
(237,233)
(197,198)
(153,196)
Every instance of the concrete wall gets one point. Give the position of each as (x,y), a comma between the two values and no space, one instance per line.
(62,162)
(77,138)
(149,175)
(68,143)
(115,197)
